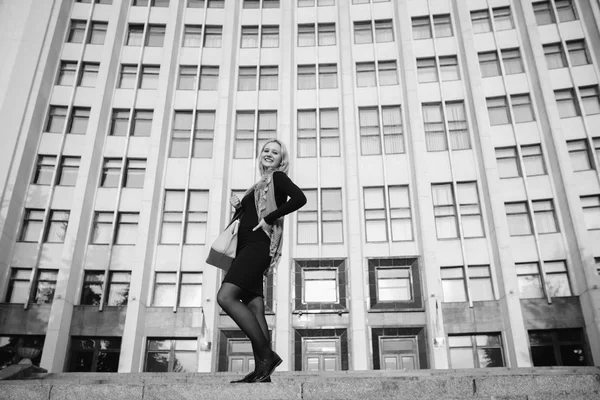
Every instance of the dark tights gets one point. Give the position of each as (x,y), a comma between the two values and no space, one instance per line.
(248,311)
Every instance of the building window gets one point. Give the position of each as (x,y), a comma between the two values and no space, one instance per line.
(326,34)
(555,56)
(375,214)
(269,77)
(33,223)
(213,36)
(98,32)
(9,345)
(171,355)
(244,134)
(475,351)
(365,74)
(519,222)
(44,170)
(453,284)
(480,283)
(269,36)
(45,286)
(370,141)
(159,3)
(118,288)
(446,222)
(135,35)
(93,286)
(328,133)
(127,226)
(102,227)
(427,70)
(503,18)
(92,354)
(247,79)
(567,105)
(149,78)
(566,10)
(165,289)
(393,134)
(435,132)
(398,348)
(308,221)
(307,133)
(557,279)
(400,213)
(457,125)
(76,31)
(307,77)
(533,160)
(508,162)
(384,31)
(543,13)
(68,170)
(249,37)
(328,76)
(556,347)
(142,122)
(172,217)
(530,284)
(596,142)
(187,77)
(580,155)
(363,32)
(590,99)
(591,211)
(119,122)
(578,53)
(270,3)
(197,216)
(545,217)
(394,283)
(331,213)
(498,110)
(57,115)
(481,21)
(203,134)
(306,35)
(522,108)
(192,36)
(57,226)
(513,64)
(449,68)
(470,210)
(387,73)
(489,64)
(216,3)
(306,3)
(111,173)
(421,28)
(321,3)
(79,121)
(140,3)
(128,77)
(66,73)
(209,77)
(18,286)
(442,25)
(320,285)
(156,35)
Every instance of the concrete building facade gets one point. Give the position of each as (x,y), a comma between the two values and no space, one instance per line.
(447,149)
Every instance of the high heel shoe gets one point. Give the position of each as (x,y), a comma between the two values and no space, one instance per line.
(265,368)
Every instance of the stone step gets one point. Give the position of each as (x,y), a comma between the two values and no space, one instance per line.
(498,383)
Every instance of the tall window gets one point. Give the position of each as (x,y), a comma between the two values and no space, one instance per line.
(249,36)
(489,64)
(566,102)
(93,354)
(171,355)
(590,99)
(209,77)
(98,32)
(475,351)
(187,77)
(93,285)
(68,170)
(370,142)
(480,283)
(270,36)
(508,163)
(326,34)
(192,36)
(566,10)
(18,285)
(522,108)
(76,31)
(111,172)
(45,286)
(375,214)
(387,73)
(470,210)
(203,134)
(89,73)
(331,213)
(66,73)
(530,284)
(307,77)
(308,220)
(578,53)
(503,18)
(135,35)
(377,208)
(457,125)
(591,211)
(365,74)
(421,28)
(555,347)
(393,134)
(33,223)
(102,227)
(149,78)
(127,78)
(44,170)
(545,217)
(195,217)
(155,36)
(328,133)
(533,160)
(513,64)
(446,221)
(79,121)
(57,115)
(384,31)
(449,68)
(127,226)
(269,76)
(427,70)
(543,13)
(442,25)
(555,55)
(213,36)
(57,226)
(519,222)
(498,110)
(481,21)
(328,76)
(435,132)
(118,288)
(453,284)
(247,78)
(580,155)
(306,35)
(166,293)
(363,32)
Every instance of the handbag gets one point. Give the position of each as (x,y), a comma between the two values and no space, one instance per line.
(223,250)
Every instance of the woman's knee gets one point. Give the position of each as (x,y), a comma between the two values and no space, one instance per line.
(223,297)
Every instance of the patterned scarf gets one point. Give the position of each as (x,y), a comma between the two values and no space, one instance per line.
(264,200)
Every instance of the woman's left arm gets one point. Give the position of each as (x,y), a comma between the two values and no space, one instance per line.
(296,197)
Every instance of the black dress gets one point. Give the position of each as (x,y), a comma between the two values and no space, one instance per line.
(252,254)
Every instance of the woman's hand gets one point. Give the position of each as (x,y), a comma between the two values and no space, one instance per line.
(235,201)
(262,224)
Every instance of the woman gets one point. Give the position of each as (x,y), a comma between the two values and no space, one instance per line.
(259,248)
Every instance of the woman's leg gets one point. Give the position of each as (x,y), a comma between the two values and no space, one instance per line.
(229,298)
(257,306)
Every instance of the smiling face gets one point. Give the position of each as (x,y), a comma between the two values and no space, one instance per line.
(271,155)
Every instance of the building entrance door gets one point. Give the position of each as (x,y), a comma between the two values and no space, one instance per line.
(321,354)
(398,352)
(239,355)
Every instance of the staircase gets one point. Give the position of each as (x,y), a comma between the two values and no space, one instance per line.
(582,383)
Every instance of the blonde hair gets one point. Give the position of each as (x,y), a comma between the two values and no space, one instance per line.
(284,166)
